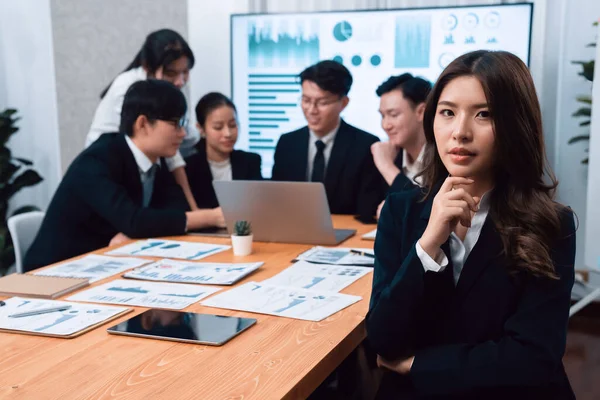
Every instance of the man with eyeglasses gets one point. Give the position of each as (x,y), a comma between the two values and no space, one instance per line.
(328,149)
(120,186)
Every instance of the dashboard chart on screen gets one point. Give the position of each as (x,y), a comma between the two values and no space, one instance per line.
(270,50)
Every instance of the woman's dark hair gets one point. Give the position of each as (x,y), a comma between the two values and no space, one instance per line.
(156,99)
(413,88)
(210,102)
(522,206)
(160,49)
(330,76)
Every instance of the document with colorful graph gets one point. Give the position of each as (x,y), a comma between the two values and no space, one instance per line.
(331,278)
(193,272)
(173,296)
(282,301)
(169,249)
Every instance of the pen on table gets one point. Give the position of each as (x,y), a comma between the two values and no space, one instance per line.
(39,311)
(362,253)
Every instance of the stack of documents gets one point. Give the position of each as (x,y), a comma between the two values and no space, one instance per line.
(145,294)
(282,301)
(194,272)
(302,291)
(337,256)
(93,267)
(329,278)
(169,249)
(72,321)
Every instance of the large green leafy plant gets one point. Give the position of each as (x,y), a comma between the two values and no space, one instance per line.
(15,174)
(585,111)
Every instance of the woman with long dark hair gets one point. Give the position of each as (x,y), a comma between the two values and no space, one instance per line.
(165,55)
(473,274)
(216,158)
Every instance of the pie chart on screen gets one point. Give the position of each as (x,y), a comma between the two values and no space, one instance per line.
(342,31)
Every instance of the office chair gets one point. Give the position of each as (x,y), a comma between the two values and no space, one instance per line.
(593,293)
(23,228)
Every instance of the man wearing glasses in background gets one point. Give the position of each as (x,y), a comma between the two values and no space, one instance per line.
(120,187)
(329,150)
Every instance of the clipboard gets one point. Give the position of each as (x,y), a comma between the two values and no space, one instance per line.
(32,326)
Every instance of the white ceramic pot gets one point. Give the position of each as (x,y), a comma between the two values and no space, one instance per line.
(242,245)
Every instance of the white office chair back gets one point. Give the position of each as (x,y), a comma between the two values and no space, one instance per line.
(23,228)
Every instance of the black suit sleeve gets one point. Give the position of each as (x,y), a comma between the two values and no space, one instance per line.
(401,182)
(200,179)
(111,201)
(254,167)
(372,189)
(398,286)
(168,193)
(530,352)
(278,167)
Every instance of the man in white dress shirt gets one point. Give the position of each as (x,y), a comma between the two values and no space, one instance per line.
(402,104)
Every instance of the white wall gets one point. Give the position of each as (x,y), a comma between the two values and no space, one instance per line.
(94,41)
(3,100)
(209,38)
(592,243)
(280,6)
(27,83)
(577,32)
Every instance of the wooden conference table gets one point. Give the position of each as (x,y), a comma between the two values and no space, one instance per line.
(276,358)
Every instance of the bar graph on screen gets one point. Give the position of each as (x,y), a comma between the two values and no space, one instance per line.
(284,43)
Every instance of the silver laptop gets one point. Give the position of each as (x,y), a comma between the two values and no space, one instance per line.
(284,212)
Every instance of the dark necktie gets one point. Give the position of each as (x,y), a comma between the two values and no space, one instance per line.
(148,185)
(318,172)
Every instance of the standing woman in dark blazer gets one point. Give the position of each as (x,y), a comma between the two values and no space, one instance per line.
(473,274)
(215,158)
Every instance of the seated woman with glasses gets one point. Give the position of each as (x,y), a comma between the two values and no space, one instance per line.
(215,158)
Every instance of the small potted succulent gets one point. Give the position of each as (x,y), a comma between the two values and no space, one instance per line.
(242,238)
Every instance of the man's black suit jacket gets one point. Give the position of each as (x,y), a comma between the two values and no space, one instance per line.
(101,195)
(401,182)
(352,182)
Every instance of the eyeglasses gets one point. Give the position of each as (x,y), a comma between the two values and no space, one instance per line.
(318,103)
(179,123)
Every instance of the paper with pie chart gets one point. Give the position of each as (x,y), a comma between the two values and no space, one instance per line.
(172,296)
(67,323)
(282,301)
(327,277)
